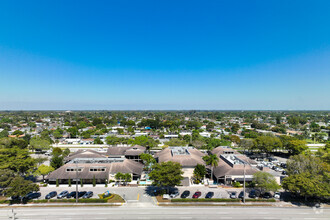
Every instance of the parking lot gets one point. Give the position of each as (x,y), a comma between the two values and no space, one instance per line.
(138,194)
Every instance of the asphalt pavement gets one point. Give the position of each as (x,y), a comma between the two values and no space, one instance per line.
(124,212)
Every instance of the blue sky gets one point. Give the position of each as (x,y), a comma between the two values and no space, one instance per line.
(164,55)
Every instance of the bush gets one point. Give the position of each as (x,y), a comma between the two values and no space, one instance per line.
(205,200)
(260,200)
(236,184)
(79,200)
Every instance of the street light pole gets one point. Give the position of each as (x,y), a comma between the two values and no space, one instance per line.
(244,185)
(76,181)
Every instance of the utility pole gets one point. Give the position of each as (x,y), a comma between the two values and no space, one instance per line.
(76,180)
(244,185)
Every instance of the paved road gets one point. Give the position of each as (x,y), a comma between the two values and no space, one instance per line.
(127,212)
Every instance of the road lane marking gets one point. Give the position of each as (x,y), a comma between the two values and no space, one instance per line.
(138,196)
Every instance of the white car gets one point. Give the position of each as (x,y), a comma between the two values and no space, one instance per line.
(277,195)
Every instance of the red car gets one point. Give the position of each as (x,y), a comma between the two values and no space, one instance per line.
(197,195)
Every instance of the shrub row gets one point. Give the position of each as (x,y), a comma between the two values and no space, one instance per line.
(79,200)
(260,200)
(206,200)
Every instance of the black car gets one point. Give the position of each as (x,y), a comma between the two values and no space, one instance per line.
(88,195)
(71,195)
(254,193)
(51,195)
(16,198)
(241,195)
(32,195)
(81,194)
(267,195)
(209,195)
(63,194)
(185,194)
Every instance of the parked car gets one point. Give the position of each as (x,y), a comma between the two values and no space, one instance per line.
(89,194)
(254,193)
(71,195)
(81,194)
(284,172)
(209,195)
(241,195)
(174,193)
(185,194)
(277,195)
(267,195)
(233,195)
(32,195)
(63,194)
(197,194)
(51,195)
(16,198)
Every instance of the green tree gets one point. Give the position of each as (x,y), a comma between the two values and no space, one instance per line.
(98,141)
(56,161)
(44,170)
(199,173)
(66,152)
(148,160)
(265,181)
(127,178)
(176,142)
(6,176)
(211,160)
(166,174)
(39,144)
(57,151)
(119,177)
(20,187)
(296,146)
(267,144)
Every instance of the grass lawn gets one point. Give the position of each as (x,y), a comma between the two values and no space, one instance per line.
(116,199)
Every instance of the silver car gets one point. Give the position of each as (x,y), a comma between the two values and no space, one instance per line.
(63,194)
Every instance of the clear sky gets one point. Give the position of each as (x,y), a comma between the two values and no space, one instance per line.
(164,54)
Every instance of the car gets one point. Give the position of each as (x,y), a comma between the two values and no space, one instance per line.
(241,195)
(51,195)
(71,195)
(284,172)
(16,198)
(209,195)
(174,193)
(277,195)
(254,193)
(89,194)
(196,195)
(267,195)
(185,194)
(63,194)
(32,195)
(233,195)
(81,194)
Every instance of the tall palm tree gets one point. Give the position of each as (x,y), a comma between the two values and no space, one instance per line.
(211,160)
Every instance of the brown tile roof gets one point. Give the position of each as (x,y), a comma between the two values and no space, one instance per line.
(85,154)
(190,160)
(224,169)
(126,166)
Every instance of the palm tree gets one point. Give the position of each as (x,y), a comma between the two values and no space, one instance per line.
(211,160)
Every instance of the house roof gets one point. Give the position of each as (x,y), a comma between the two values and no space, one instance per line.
(126,166)
(85,154)
(224,169)
(191,158)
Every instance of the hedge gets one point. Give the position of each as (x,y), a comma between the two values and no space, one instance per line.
(260,200)
(79,200)
(205,200)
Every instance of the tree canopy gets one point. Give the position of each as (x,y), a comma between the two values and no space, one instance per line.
(166,174)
